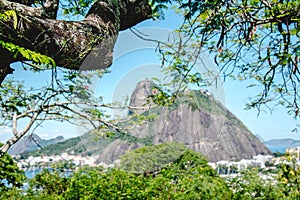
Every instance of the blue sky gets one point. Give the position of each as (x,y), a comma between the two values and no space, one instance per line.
(135,60)
(276,125)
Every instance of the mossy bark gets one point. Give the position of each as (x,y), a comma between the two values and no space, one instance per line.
(69,42)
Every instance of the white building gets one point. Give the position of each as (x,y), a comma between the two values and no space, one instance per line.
(262,159)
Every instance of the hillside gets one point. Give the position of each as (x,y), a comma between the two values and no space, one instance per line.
(31,143)
(196,119)
(82,145)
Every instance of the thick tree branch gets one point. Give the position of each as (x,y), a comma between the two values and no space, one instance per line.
(21,8)
(86,44)
(48,10)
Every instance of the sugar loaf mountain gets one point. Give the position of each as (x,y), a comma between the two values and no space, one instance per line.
(196,119)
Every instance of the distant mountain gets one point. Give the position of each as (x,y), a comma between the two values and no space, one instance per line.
(196,119)
(281,145)
(31,143)
(283,142)
(107,149)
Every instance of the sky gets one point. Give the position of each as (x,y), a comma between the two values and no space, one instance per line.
(135,60)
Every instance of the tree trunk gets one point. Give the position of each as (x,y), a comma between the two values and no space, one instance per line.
(67,42)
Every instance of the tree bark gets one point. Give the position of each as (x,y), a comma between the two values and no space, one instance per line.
(86,44)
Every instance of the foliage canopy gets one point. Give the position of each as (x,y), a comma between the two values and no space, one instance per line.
(10,174)
(251,39)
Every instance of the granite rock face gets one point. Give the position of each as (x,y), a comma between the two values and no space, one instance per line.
(139,96)
(201,123)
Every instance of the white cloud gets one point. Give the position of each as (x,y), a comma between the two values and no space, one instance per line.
(43,135)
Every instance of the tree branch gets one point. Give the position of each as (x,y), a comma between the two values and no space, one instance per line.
(17,136)
(86,44)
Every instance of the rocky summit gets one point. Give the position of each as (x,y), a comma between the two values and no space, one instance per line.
(200,122)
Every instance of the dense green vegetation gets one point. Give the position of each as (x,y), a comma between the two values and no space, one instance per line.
(150,159)
(186,177)
(9,174)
